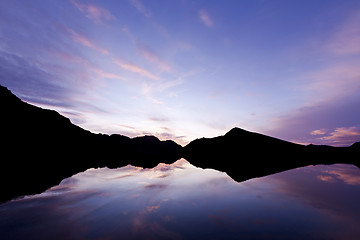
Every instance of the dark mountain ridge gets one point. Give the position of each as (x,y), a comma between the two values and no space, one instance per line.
(39,148)
(244,155)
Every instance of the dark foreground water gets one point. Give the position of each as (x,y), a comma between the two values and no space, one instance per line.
(180,201)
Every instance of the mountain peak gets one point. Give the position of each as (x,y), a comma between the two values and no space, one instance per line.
(236,131)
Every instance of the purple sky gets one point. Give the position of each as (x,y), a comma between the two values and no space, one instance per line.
(187,69)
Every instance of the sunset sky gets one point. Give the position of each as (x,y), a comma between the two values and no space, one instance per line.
(187,69)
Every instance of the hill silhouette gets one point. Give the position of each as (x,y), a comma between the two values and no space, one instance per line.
(244,155)
(39,148)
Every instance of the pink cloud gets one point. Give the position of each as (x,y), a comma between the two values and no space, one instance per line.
(319,132)
(325,178)
(349,175)
(343,136)
(102,74)
(205,18)
(332,83)
(136,69)
(141,8)
(97,14)
(340,75)
(76,37)
(345,40)
(154,58)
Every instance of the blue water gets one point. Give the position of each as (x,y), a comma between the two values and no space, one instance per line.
(180,201)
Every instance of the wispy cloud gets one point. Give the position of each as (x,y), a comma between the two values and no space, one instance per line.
(319,132)
(76,37)
(333,82)
(147,91)
(205,18)
(141,8)
(348,174)
(102,74)
(326,178)
(340,75)
(95,13)
(345,40)
(151,89)
(149,55)
(343,136)
(32,82)
(169,84)
(146,52)
(331,90)
(135,69)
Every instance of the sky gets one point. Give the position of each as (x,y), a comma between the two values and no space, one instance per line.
(185,69)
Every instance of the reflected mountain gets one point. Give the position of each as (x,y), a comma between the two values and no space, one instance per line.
(181,201)
(244,155)
(40,148)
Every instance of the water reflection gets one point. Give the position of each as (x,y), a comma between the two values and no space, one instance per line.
(180,201)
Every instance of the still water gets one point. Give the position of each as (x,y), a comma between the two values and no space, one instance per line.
(180,201)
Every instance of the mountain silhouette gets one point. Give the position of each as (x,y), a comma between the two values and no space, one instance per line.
(244,155)
(40,147)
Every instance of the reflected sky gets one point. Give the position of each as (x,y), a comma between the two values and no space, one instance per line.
(180,201)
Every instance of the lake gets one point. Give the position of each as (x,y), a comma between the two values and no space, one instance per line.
(181,201)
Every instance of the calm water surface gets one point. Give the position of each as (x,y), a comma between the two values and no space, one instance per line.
(180,201)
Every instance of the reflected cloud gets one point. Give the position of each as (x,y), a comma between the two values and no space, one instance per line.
(150,209)
(326,178)
(327,194)
(349,174)
(135,203)
(163,175)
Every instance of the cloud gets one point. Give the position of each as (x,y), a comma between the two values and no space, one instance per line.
(30,81)
(159,119)
(349,176)
(102,74)
(162,86)
(76,37)
(135,69)
(297,125)
(152,57)
(146,52)
(205,18)
(333,82)
(97,14)
(169,84)
(325,178)
(345,40)
(319,132)
(343,136)
(331,90)
(159,87)
(141,8)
